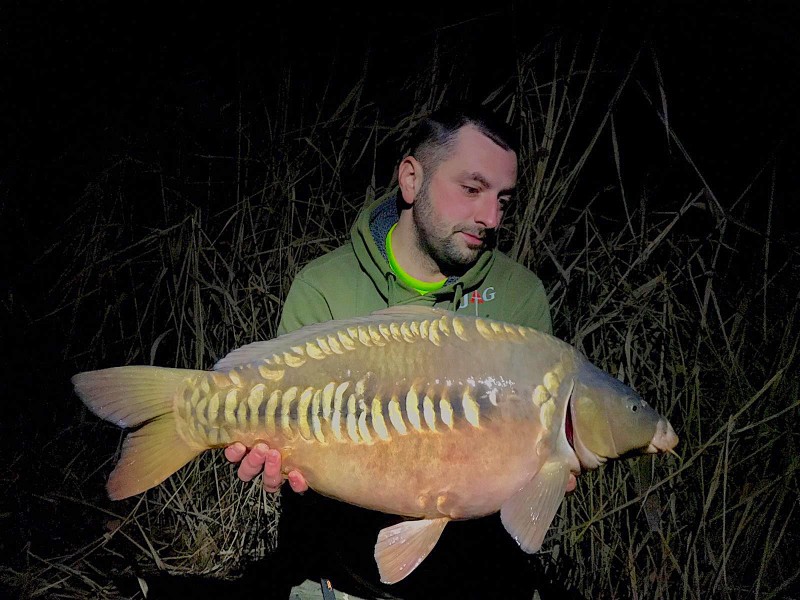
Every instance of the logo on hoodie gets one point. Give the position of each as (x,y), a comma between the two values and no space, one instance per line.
(476,298)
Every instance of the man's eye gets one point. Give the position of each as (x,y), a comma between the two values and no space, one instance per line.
(505,201)
(470,190)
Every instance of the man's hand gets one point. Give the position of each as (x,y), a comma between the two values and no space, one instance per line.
(572,483)
(259,458)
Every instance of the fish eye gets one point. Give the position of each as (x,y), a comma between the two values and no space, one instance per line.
(634,408)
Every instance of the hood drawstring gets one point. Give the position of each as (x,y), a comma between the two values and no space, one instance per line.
(457,294)
(391,282)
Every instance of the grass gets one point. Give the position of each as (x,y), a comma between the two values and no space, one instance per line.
(685,294)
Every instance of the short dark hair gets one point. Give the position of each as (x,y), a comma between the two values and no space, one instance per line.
(433,136)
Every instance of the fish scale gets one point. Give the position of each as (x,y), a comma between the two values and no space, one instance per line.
(248,410)
(410,411)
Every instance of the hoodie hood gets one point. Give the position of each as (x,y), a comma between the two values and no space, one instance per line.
(369,243)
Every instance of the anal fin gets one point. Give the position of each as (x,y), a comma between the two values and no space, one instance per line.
(402,547)
(528,513)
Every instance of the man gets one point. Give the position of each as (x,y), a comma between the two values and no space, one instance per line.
(432,244)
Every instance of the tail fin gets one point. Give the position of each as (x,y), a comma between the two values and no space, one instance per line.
(130,396)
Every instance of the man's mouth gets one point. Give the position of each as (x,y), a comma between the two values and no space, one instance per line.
(473,239)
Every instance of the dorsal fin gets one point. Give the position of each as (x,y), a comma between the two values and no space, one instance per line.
(264,349)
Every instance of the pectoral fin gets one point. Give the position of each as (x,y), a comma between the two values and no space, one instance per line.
(528,513)
(402,547)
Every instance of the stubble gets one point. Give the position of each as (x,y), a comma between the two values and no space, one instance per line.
(444,243)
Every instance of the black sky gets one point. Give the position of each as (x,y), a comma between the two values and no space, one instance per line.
(81,79)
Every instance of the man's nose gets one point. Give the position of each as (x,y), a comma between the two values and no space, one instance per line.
(489,213)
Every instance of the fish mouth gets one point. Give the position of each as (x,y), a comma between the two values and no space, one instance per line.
(664,440)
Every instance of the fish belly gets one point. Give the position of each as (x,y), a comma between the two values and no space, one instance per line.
(460,473)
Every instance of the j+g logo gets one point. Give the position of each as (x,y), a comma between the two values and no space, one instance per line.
(476,298)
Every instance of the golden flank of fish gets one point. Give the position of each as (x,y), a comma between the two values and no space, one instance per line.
(410,411)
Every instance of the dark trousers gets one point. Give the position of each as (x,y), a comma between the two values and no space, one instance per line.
(319,537)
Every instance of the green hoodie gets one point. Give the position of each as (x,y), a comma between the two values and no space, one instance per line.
(356,279)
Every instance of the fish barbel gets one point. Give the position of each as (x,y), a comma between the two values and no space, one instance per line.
(410,411)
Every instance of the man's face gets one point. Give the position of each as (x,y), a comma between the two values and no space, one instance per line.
(459,207)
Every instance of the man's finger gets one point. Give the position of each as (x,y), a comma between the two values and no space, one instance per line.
(235,452)
(297,482)
(572,483)
(273,478)
(253,462)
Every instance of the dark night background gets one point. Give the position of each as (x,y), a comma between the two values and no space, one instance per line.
(85,83)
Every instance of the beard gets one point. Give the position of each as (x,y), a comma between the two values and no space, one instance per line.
(442,242)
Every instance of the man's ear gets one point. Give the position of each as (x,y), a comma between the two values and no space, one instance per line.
(409,177)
